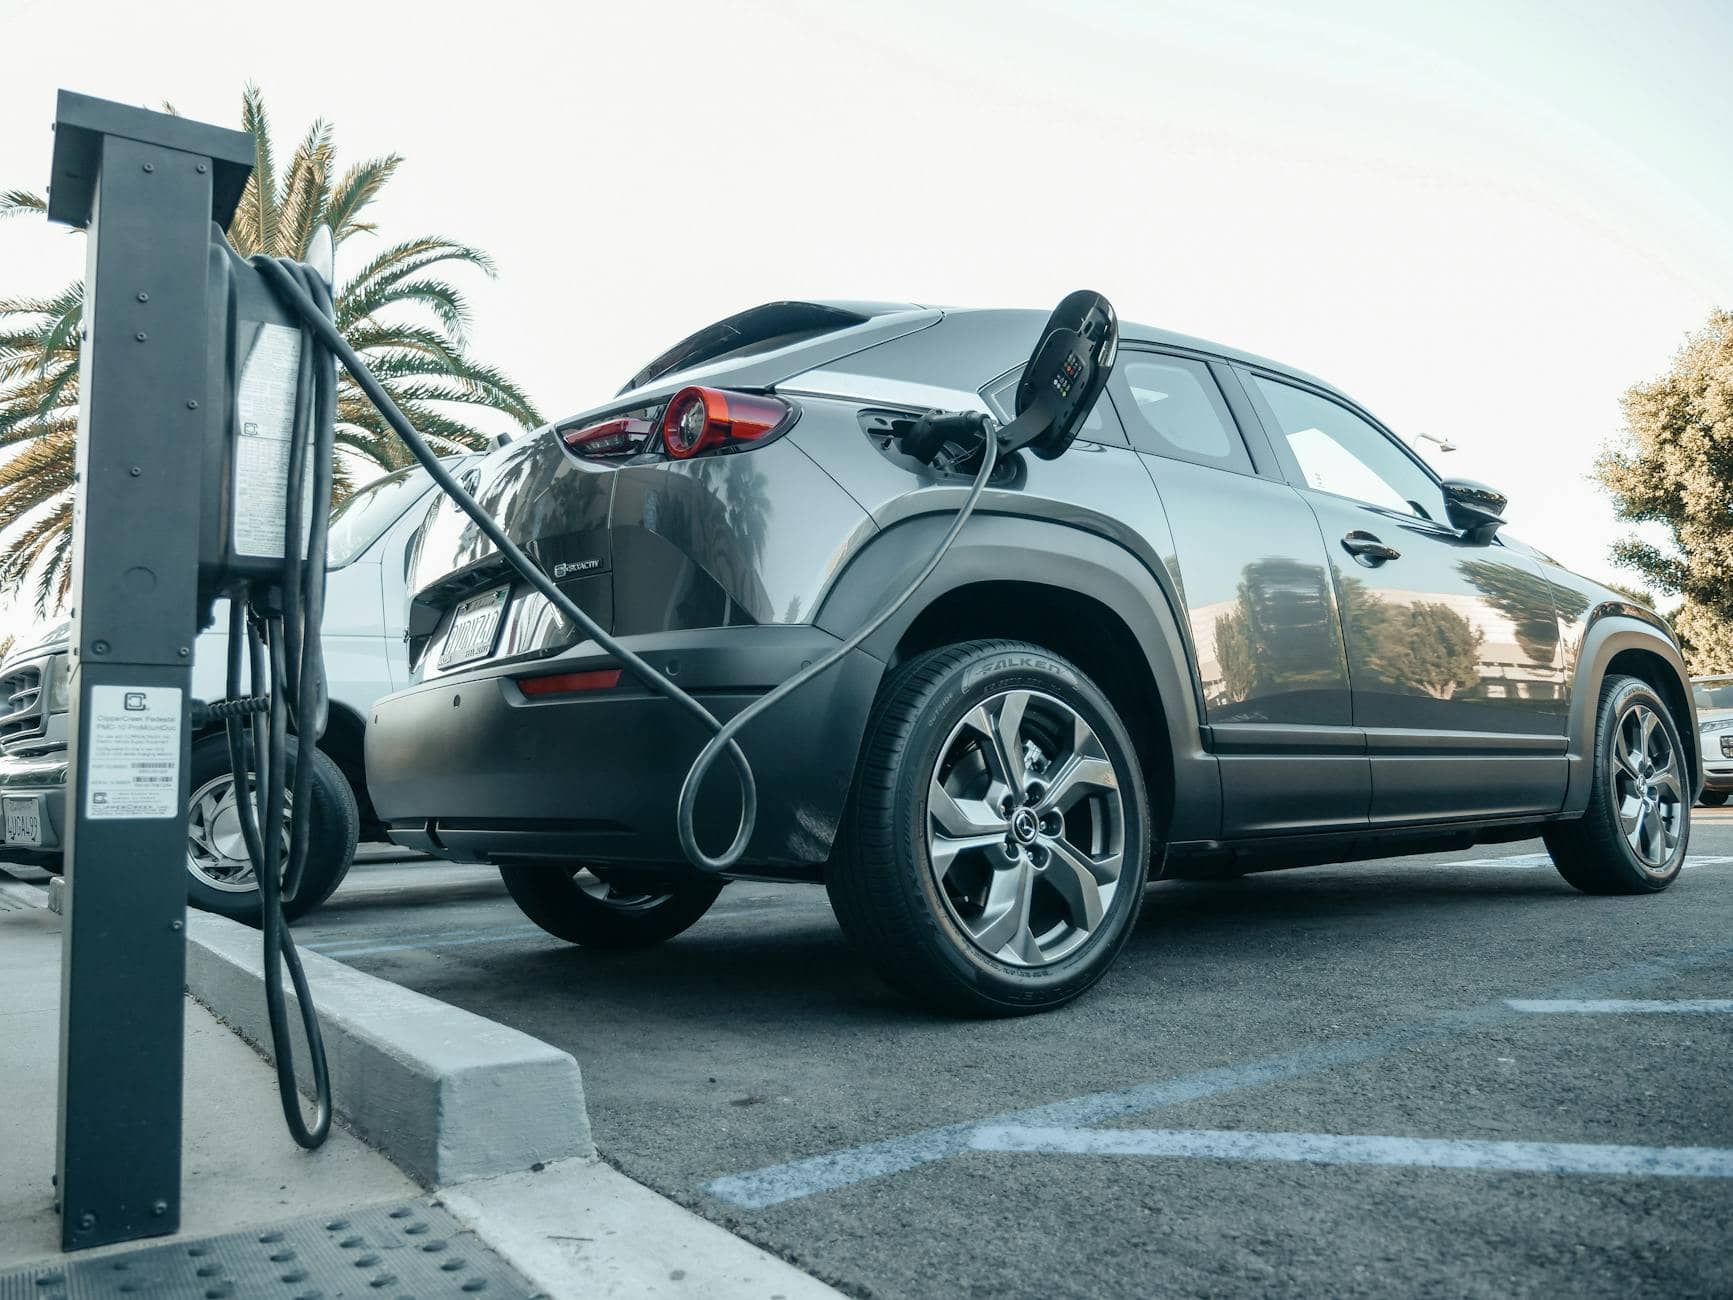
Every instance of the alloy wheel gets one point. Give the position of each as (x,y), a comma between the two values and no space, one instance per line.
(615,896)
(1025,828)
(1647,790)
(216,849)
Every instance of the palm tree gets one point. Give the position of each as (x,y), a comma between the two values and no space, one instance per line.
(399,311)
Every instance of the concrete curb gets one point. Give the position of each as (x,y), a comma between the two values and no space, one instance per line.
(445,1094)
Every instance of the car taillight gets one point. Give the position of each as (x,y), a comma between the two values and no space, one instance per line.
(710,419)
(598,679)
(620,436)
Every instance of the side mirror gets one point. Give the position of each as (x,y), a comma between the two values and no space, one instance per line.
(1474,509)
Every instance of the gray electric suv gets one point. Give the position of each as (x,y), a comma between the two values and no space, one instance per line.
(1238,626)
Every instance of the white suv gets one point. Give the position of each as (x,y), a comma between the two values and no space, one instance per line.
(371,534)
(1714,697)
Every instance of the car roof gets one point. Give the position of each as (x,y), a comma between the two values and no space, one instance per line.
(1027,322)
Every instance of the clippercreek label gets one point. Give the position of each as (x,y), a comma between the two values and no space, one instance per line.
(265,411)
(135,752)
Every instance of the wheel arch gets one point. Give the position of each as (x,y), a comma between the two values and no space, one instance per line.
(1617,643)
(1078,594)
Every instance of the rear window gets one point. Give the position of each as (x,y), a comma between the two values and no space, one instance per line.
(1173,407)
(748,333)
(1001,399)
(363,518)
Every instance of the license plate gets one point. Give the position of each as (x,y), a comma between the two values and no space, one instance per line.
(23,820)
(474,628)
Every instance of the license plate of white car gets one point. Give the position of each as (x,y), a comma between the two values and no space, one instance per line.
(474,628)
(23,820)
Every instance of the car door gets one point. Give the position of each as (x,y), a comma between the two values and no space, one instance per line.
(1453,646)
(1250,564)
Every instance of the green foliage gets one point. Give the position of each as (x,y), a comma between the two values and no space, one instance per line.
(1674,467)
(403,314)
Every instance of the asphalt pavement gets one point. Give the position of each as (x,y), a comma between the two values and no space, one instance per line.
(1448,1075)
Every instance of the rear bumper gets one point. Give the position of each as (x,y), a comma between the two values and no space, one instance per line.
(43,775)
(469,768)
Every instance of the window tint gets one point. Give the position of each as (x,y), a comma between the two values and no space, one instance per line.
(359,521)
(1341,453)
(1176,409)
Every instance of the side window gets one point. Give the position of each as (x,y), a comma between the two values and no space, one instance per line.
(1340,453)
(1173,407)
(1001,399)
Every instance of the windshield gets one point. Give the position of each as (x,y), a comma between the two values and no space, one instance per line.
(359,521)
(1716,694)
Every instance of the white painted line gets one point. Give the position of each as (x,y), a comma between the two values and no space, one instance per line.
(1515,862)
(795,1179)
(1541,861)
(1333,1149)
(500,936)
(1622,1006)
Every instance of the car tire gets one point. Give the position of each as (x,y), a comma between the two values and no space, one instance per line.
(215,883)
(1633,836)
(1712,798)
(582,907)
(950,916)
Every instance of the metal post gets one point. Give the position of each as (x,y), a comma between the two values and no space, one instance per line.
(147,185)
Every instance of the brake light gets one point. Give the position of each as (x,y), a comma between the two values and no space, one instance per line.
(597,679)
(710,419)
(620,436)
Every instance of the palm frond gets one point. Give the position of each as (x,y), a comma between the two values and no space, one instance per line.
(359,187)
(18,203)
(254,229)
(405,311)
(301,205)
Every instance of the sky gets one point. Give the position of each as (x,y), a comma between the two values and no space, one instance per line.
(1483,220)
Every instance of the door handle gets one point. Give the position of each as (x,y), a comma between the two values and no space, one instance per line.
(1368,550)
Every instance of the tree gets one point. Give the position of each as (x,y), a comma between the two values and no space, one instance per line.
(408,321)
(1674,467)
(1430,646)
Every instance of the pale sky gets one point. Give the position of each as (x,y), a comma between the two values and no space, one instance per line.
(1483,220)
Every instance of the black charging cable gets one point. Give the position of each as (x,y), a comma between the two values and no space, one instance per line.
(278,627)
(293,292)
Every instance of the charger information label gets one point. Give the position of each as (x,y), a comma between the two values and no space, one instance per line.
(135,753)
(265,413)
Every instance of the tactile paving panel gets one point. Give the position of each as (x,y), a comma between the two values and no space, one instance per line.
(409,1249)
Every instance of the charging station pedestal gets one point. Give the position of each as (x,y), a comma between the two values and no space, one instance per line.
(147,186)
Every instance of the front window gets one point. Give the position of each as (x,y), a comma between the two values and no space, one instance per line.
(1340,453)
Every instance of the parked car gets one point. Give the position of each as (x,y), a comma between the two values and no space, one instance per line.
(370,535)
(1714,698)
(1238,626)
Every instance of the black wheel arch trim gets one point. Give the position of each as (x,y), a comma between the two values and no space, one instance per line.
(1612,629)
(995,548)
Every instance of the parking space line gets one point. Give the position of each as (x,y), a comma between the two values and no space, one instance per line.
(1539,861)
(1622,1006)
(338,952)
(797,1179)
(1334,1149)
